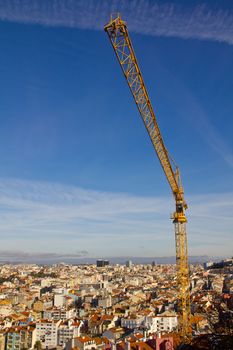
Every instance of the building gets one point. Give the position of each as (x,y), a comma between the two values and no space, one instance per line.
(84,343)
(114,333)
(97,323)
(27,337)
(165,322)
(13,338)
(105,302)
(59,300)
(132,321)
(102,263)
(20,338)
(68,330)
(42,305)
(128,263)
(2,340)
(59,314)
(208,264)
(47,332)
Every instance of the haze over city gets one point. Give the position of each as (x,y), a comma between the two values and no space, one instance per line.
(79,176)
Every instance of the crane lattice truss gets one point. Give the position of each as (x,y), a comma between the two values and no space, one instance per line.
(120,40)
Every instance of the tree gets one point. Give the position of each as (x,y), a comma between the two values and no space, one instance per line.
(38,345)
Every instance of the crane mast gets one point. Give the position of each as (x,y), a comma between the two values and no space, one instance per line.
(121,43)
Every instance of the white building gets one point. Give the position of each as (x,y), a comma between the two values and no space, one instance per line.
(129,263)
(105,302)
(5,310)
(132,322)
(165,322)
(68,330)
(59,314)
(84,343)
(35,290)
(45,282)
(47,332)
(59,300)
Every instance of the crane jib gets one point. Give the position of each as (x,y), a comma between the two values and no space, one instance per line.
(118,34)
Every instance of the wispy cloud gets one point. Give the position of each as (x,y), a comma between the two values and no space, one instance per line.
(193,111)
(144,16)
(205,127)
(39,216)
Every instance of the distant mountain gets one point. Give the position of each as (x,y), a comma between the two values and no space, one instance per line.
(86,260)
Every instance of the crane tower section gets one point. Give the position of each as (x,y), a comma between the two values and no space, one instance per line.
(121,43)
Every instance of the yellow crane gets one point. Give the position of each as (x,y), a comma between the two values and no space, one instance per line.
(122,45)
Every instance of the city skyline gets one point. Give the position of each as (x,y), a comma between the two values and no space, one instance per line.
(78,171)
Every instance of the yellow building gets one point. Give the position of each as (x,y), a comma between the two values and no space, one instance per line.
(2,340)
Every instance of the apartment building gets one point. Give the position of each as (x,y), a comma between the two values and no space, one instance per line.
(59,314)
(132,322)
(165,322)
(47,332)
(68,330)
(20,337)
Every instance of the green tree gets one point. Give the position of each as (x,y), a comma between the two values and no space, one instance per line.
(38,345)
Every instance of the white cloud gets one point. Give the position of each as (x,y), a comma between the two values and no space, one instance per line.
(144,16)
(65,219)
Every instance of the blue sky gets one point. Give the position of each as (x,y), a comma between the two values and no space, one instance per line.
(78,172)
